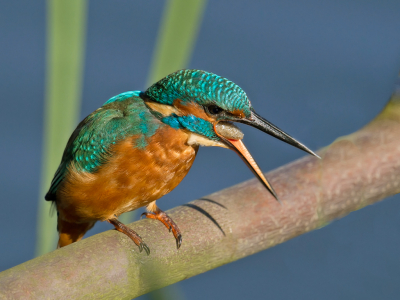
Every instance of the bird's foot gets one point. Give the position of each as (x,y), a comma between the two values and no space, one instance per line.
(168,222)
(131,233)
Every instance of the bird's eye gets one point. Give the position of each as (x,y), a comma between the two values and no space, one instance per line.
(214,110)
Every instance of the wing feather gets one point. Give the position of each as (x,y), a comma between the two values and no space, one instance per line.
(89,145)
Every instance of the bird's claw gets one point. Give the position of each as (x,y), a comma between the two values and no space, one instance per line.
(168,222)
(145,247)
(137,239)
(139,242)
(178,241)
(141,245)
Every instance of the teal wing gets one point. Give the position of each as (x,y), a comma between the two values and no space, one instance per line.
(89,145)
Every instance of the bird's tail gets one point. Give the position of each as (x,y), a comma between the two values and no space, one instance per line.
(71,232)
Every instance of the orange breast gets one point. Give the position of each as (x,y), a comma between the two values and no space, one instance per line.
(131,178)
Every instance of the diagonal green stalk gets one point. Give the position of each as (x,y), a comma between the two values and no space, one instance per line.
(176,37)
(174,46)
(66,28)
(175,42)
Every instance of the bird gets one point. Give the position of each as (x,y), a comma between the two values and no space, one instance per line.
(139,145)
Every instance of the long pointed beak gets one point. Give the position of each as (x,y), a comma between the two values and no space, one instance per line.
(260,123)
(238,146)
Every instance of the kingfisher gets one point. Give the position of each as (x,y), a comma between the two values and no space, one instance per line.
(138,147)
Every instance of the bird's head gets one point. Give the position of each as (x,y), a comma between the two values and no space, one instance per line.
(205,105)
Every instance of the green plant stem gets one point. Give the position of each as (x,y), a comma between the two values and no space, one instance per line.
(176,37)
(174,46)
(66,27)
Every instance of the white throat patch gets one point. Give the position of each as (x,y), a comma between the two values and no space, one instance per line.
(197,139)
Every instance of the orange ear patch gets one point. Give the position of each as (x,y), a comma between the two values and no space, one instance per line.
(238,113)
(192,108)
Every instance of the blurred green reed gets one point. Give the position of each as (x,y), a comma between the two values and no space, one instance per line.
(66,30)
(176,38)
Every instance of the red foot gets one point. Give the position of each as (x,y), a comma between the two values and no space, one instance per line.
(167,221)
(132,234)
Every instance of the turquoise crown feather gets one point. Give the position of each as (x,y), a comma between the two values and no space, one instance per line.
(201,87)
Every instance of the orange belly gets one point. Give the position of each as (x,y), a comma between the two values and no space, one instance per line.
(130,179)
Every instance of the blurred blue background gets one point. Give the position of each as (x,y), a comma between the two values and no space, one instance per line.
(317,69)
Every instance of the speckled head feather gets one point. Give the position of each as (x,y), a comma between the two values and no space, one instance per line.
(202,87)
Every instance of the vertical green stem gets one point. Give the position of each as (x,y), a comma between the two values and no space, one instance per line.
(175,42)
(176,37)
(66,27)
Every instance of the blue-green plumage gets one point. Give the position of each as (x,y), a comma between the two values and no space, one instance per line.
(191,123)
(201,87)
(139,145)
(88,147)
(126,114)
